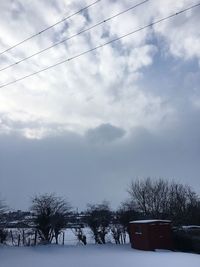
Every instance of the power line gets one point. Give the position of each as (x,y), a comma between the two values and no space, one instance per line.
(102,45)
(74,35)
(49,27)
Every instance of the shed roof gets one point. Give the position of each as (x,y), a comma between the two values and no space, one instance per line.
(150,221)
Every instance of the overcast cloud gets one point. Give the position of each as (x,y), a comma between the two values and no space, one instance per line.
(86,128)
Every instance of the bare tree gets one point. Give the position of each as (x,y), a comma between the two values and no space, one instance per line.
(150,196)
(98,219)
(117,231)
(80,235)
(50,216)
(183,204)
(160,199)
(125,213)
(3,232)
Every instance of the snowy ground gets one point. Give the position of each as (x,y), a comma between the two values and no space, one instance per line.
(92,256)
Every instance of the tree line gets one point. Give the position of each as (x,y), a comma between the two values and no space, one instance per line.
(148,199)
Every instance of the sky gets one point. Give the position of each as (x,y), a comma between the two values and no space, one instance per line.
(87,128)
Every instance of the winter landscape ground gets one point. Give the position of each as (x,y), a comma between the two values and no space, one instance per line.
(94,256)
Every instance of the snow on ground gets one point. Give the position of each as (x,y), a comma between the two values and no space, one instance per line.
(71,239)
(92,256)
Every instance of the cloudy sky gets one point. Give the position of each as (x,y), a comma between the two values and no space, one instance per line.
(86,128)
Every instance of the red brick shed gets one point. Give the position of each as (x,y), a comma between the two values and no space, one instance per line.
(151,234)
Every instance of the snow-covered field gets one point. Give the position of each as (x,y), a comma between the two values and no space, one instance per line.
(93,256)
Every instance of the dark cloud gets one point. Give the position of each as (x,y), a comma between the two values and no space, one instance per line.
(104,133)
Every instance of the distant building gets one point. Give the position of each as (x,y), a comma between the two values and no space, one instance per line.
(151,234)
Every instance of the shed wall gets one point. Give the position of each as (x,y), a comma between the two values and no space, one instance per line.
(152,236)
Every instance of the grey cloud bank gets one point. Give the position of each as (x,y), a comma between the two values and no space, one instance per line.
(85,172)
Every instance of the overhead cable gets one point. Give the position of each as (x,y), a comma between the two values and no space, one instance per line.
(50,27)
(74,35)
(102,45)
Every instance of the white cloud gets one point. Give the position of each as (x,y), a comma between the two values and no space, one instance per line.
(181,34)
(101,87)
